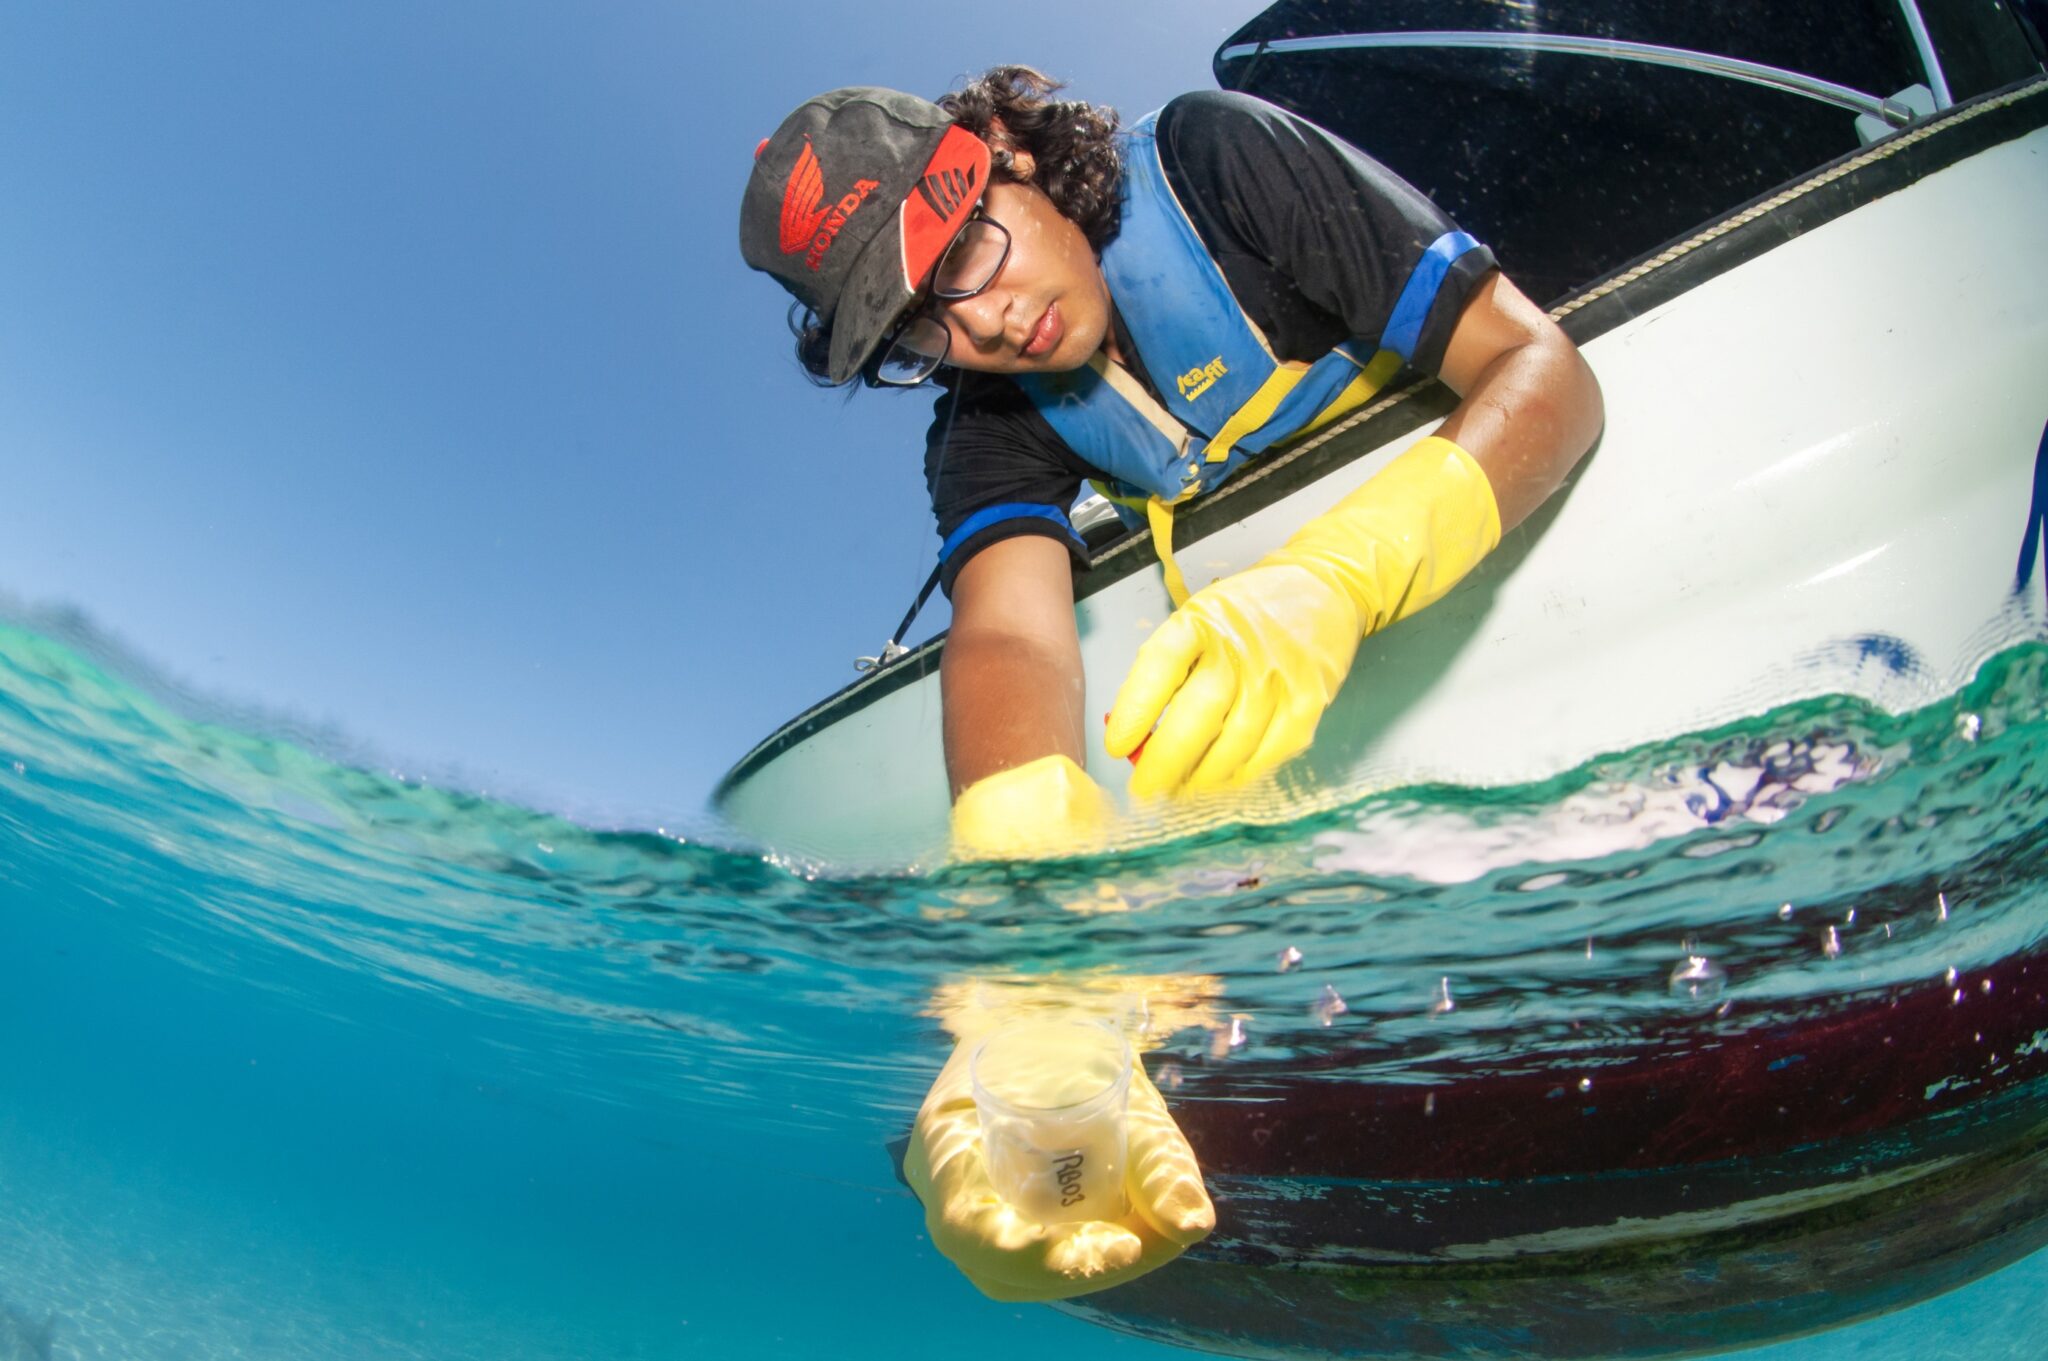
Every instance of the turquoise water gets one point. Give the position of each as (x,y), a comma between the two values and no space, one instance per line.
(305,1060)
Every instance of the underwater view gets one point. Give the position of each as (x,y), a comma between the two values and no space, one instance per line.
(315,1061)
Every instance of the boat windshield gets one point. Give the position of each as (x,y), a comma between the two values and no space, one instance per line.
(1576,137)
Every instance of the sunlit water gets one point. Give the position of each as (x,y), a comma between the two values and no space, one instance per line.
(307,1061)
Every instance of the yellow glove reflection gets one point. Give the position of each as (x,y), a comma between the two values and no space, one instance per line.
(1007,1256)
(1237,680)
(1044,807)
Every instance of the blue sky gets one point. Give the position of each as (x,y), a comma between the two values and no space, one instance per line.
(392,366)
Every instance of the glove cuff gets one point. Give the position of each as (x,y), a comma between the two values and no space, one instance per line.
(1402,540)
(1045,807)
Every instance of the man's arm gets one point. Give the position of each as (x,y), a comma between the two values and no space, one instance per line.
(1011,677)
(1531,407)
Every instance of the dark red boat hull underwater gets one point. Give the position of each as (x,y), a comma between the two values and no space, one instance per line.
(1713,1188)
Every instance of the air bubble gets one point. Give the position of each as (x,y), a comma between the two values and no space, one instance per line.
(1698,977)
(1968,726)
(1329,1005)
(1224,1039)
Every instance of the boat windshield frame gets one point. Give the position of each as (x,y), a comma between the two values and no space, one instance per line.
(1890,109)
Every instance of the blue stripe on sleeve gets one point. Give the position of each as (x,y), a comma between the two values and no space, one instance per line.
(1418,295)
(1008,510)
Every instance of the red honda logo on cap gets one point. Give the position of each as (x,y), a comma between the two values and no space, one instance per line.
(800,198)
(806,224)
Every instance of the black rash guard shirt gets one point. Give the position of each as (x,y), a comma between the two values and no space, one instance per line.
(1315,238)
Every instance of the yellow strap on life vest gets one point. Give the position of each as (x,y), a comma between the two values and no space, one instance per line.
(1115,498)
(1377,373)
(1256,412)
(1159,515)
(1249,417)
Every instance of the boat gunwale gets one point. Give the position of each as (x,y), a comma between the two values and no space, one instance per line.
(1767,221)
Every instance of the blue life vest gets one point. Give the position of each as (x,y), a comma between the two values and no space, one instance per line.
(1226,397)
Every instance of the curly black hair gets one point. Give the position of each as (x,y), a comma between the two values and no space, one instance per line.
(1074,160)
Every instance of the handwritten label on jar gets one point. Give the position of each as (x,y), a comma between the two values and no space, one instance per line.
(1068,1170)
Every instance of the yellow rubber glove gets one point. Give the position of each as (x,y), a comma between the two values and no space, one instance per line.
(1238,678)
(1044,807)
(1014,1259)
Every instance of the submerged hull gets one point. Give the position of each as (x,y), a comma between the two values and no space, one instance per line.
(1736,1188)
(1853,1257)
(1824,420)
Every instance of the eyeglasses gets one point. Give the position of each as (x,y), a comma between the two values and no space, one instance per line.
(917,347)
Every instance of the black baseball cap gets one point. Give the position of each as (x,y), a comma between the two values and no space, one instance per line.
(851,204)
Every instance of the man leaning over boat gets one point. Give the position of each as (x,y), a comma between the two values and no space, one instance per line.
(1148,308)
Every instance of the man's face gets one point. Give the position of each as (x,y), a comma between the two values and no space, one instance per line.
(1047,309)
